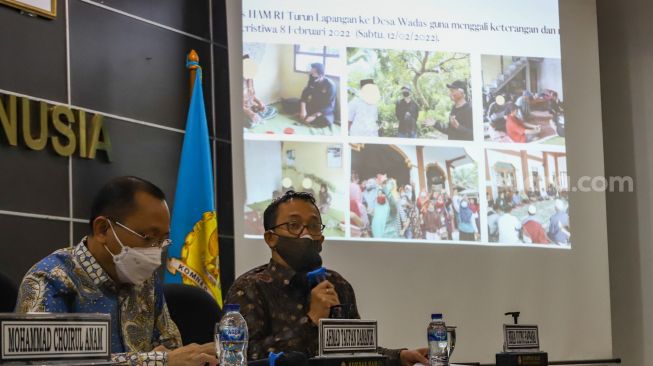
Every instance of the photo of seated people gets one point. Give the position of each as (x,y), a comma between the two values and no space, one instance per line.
(522,100)
(393,196)
(291,89)
(528,198)
(275,167)
(409,94)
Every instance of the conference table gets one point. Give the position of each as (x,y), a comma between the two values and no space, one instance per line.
(321,362)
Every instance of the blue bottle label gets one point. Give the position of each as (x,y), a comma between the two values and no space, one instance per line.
(437,335)
(232,334)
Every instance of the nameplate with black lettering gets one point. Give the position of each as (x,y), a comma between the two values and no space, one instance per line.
(47,336)
(521,338)
(345,336)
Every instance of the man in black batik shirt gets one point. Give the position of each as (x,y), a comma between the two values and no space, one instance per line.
(281,310)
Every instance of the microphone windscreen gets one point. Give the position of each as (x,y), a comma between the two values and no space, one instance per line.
(317,276)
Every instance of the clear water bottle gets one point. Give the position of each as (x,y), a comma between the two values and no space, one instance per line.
(232,337)
(438,341)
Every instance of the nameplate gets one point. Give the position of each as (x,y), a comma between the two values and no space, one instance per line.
(48,336)
(521,338)
(349,360)
(522,359)
(345,336)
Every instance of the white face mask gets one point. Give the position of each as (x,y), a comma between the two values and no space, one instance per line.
(135,265)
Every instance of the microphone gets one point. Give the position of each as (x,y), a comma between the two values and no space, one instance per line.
(282,359)
(342,311)
(291,359)
(316,277)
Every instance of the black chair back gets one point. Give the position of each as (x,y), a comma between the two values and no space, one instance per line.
(194,311)
(9,292)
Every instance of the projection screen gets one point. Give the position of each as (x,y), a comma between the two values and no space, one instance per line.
(443,142)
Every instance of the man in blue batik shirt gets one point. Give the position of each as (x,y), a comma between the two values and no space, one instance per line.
(112,271)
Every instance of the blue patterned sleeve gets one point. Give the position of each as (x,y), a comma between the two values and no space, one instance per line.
(45,288)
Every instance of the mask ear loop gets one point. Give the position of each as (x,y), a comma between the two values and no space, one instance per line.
(271,231)
(117,239)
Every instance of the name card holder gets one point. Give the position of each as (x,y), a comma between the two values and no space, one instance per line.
(521,346)
(349,360)
(347,337)
(521,338)
(55,338)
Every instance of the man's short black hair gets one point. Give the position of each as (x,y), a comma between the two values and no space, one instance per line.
(319,67)
(270,214)
(116,198)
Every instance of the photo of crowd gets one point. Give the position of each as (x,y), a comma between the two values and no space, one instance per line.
(409,94)
(413,192)
(523,100)
(528,197)
(291,89)
(275,167)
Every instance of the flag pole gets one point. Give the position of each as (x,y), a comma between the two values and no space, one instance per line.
(192,57)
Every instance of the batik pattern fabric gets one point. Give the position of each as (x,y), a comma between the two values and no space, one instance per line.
(274,300)
(71,280)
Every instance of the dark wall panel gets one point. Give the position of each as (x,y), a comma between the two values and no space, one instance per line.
(224,189)
(33,54)
(79,231)
(33,181)
(222,109)
(121,66)
(130,68)
(31,240)
(146,152)
(219,22)
(188,16)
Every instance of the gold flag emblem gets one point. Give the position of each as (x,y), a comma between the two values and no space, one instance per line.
(199,264)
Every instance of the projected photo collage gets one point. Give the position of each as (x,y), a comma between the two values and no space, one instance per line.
(407,146)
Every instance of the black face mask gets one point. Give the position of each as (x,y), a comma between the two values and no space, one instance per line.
(301,254)
(406,94)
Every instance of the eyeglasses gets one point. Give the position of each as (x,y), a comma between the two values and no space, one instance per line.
(296,228)
(152,242)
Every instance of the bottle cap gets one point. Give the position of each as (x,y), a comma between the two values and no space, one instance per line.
(231,307)
(436,316)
